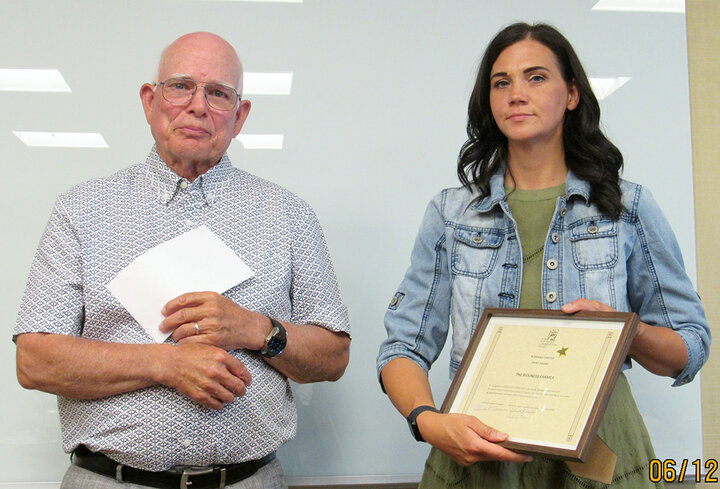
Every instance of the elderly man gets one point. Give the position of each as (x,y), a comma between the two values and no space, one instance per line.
(209,407)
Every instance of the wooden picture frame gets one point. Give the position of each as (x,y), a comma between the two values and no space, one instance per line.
(544,377)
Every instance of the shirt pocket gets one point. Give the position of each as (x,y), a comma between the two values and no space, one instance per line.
(594,243)
(475,251)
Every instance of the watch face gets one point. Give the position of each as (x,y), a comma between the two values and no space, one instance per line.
(276,345)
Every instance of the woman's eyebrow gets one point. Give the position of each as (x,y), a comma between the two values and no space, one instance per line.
(526,70)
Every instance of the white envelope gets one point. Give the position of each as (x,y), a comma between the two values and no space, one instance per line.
(196,261)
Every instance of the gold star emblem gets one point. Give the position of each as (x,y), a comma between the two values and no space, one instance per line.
(562,351)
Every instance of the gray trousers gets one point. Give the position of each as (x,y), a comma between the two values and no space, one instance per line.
(268,477)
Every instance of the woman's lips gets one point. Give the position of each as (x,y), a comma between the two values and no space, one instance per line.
(519,117)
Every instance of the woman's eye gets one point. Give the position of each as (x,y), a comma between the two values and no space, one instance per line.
(537,78)
(501,83)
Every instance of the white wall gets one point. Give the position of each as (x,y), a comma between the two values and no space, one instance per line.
(372,130)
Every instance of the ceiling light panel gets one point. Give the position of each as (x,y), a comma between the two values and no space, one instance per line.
(668,6)
(261,141)
(22,80)
(267,83)
(604,87)
(62,139)
(260,1)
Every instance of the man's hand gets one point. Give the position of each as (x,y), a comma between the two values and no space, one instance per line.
(80,368)
(207,375)
(221,322)
(465,438)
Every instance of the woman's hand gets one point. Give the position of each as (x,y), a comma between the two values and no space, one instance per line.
(465,438)
(660,350)
(585,305)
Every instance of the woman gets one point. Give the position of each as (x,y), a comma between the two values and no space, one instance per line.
(542,221)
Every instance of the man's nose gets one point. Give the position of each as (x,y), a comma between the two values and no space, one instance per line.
(198,102)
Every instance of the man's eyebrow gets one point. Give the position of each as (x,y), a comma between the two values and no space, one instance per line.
(526,70)
(183,76)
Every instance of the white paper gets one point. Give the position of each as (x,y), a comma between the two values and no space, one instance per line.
(196,261)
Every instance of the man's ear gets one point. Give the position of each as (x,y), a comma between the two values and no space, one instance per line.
(241,115)
(147,95)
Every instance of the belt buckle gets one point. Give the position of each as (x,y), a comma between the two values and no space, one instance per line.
(187,473)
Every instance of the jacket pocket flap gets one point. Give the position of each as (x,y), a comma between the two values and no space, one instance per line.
(592,228)
(479,238)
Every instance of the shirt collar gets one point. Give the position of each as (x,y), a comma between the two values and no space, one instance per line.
(573,186)
(167,183)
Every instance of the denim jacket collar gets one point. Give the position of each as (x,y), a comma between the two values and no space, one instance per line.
(573,185)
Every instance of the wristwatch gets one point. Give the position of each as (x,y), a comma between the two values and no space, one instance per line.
(275,341)
(413,424)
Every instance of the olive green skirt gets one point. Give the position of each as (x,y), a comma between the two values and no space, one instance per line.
(622,429)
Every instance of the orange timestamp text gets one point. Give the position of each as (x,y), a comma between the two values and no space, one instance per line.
(671,470)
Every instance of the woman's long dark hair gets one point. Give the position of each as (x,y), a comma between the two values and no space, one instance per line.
(588,153)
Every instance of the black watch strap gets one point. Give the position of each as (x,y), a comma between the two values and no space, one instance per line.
(412,417)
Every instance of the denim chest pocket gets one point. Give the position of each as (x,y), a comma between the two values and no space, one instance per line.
(475,251)
(594,243)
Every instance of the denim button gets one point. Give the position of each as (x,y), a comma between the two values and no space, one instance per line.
(563,211)
(393,301)
(477,239)
(552,264)
(555,237)
(592,229)
(551,296)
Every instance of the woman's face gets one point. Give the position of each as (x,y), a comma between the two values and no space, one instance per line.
(528,95)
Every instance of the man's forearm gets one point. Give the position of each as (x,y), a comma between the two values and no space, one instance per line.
(80,368)
(312,354)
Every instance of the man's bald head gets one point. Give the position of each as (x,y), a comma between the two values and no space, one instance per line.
(191,135)
(197,43)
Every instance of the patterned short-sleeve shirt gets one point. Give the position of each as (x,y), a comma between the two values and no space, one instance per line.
(97,228)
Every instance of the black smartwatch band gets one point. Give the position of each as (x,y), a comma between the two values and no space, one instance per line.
(412,417)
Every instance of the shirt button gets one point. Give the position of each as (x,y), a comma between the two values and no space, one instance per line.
(183,184)
(555,237)
(592,229)
(477,239)
(552,263)
(551,296)
(186,443)
(189,222)
(563,211)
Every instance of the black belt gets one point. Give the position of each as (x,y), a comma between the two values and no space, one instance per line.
(214,477)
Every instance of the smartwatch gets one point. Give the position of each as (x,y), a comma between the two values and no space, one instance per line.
(275,341)
(412,417)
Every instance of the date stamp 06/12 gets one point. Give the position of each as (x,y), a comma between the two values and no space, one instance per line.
(684,470)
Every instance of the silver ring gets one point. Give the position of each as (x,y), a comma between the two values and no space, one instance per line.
(197,328)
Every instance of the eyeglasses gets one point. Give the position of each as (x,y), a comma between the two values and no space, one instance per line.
(179,91)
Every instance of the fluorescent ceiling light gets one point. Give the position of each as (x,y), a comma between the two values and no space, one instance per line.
(266,1)
(62,139)
(267,83)
(603,87)
(20,80)
(261,141)
(671,6)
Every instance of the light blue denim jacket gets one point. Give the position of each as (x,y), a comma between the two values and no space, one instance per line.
(468,256)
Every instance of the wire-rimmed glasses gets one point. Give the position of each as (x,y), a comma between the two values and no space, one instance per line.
(179,91)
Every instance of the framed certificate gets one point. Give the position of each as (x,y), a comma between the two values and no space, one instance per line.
(542,377)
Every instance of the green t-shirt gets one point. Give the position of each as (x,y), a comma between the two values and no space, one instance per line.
(533,212)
